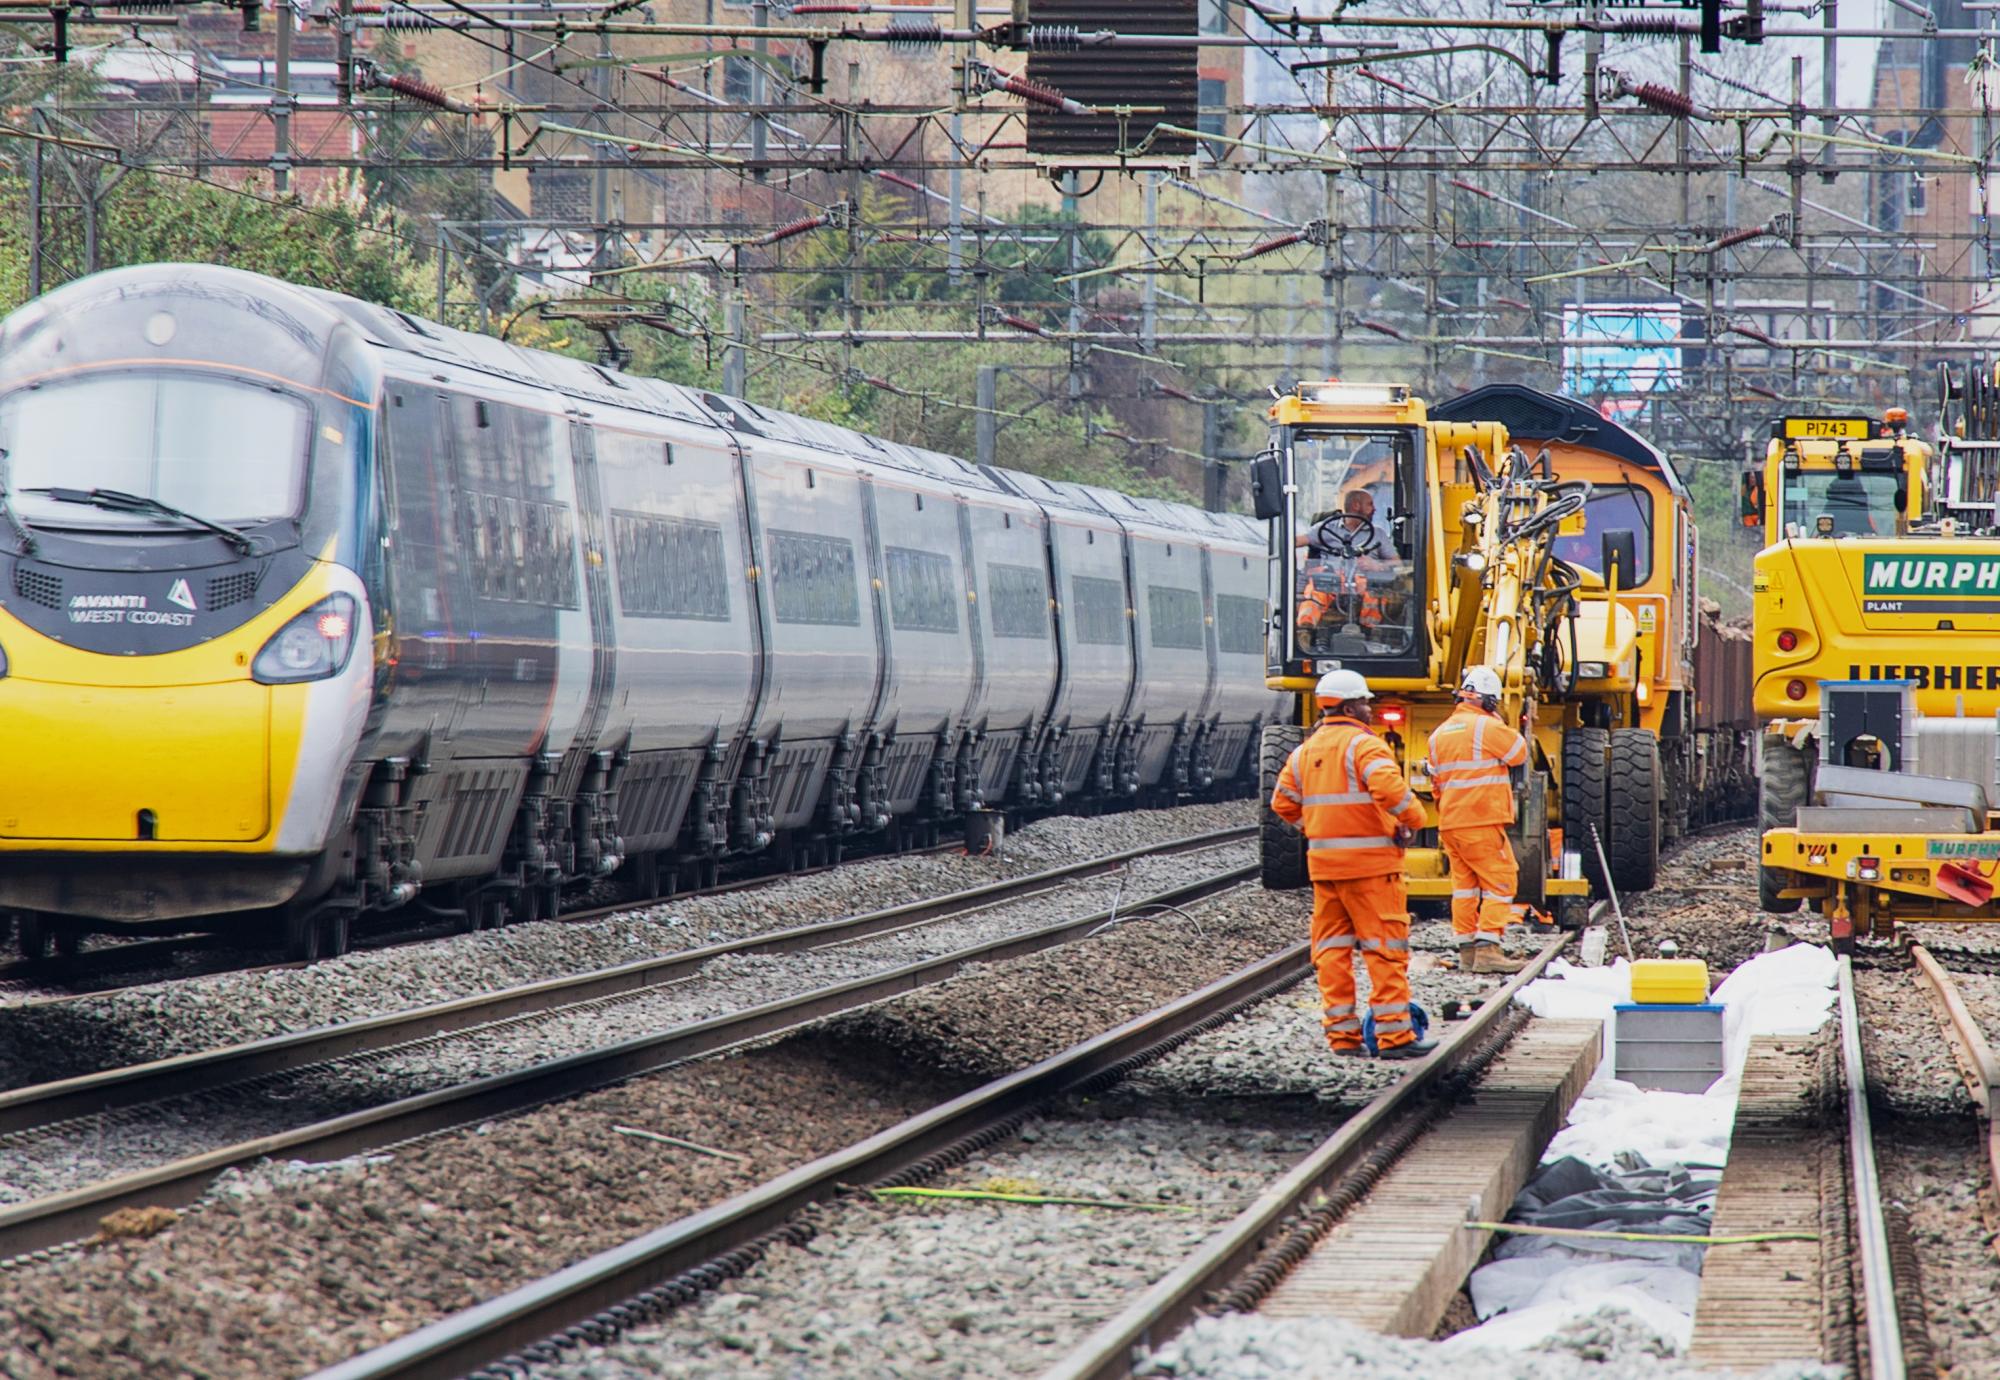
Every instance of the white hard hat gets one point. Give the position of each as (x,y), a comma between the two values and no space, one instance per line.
(1481,680)
(1336,686)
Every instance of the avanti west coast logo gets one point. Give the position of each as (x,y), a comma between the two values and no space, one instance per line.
(1930,584)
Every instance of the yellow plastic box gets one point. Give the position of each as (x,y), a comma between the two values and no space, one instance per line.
(1669,981)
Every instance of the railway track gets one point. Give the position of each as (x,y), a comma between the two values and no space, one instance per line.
(597,1298)
(58,1219)
(1970,1050)
(159,956)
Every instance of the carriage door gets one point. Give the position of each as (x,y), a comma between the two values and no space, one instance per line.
(596,539)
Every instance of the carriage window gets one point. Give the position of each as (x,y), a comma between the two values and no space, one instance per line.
(923,596)
(1017,600)
(1098,607)
(812,579)
(1239,625)
(1175,615)
(669,567)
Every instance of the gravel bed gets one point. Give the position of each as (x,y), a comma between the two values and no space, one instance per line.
(1936,1172)
(1706,902)
(964,1288)
(1910,1069)
(1930,1148)
(76,1154)
(40,1043)
(286,1270)
(1277,1049)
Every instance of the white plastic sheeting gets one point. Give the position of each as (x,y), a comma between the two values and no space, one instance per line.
(1531,1298)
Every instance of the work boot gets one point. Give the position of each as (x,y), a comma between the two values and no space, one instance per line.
(1350,1052)
(1487,958)
(1467,956)
(1416,1049)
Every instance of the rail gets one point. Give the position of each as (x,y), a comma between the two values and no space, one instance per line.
(62,1218)
(139,953)
(88,1094)
(465,1341)
(1982,1070)
(1878,1281)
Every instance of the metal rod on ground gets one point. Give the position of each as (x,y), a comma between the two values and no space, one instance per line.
(1878,1284)
(1604,866)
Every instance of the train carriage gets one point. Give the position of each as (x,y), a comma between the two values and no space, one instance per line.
(313,608)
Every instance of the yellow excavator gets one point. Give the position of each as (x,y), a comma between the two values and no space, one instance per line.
(1409,548)
(1877,606)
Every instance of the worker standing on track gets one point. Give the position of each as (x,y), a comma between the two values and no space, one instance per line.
(1470,755)
(1343,789)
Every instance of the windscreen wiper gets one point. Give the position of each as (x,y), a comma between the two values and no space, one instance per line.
(118,501)
(13,518)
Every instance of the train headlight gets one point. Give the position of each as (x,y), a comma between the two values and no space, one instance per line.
(1592,670)
(312,646)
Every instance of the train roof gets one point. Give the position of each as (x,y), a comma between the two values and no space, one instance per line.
(315,314)
(1529,414)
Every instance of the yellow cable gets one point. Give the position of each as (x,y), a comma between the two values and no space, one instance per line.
(1032,1199)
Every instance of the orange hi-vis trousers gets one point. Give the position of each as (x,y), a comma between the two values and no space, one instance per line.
(1373,915)
(1483,877)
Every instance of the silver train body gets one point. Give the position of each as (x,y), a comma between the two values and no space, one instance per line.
(602,622)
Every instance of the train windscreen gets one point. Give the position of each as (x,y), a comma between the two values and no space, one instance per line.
(231,451)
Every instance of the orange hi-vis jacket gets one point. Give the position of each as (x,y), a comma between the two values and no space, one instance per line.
(1343,789)
(1325,584)
(1469,754)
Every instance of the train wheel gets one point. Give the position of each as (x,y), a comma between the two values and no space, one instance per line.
(1634,840)
(31,934)
(1781,790)
(1586,795)
(1283,847)
(302,933)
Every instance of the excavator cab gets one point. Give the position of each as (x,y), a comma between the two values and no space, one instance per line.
(1345,502)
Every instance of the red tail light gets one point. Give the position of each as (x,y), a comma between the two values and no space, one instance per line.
(1393,714)
(1788,641)
(1795,689)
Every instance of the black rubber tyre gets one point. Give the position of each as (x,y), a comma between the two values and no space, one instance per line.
(1784,785)
(1282,847)
(1633,840)
(1586,795)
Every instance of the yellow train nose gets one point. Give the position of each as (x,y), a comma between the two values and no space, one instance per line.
(188,764)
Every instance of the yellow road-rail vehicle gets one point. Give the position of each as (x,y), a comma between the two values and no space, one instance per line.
(310,609)
(1408,544)
(1877,607)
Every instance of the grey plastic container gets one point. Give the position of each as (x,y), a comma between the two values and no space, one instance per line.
(1675,1048)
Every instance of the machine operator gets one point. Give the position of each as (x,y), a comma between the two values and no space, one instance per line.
(1335,585)
(1343,789)
(1470,756)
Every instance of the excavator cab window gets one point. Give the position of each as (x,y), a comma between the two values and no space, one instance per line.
(1613,508)
(1844,503)
(1356,588)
